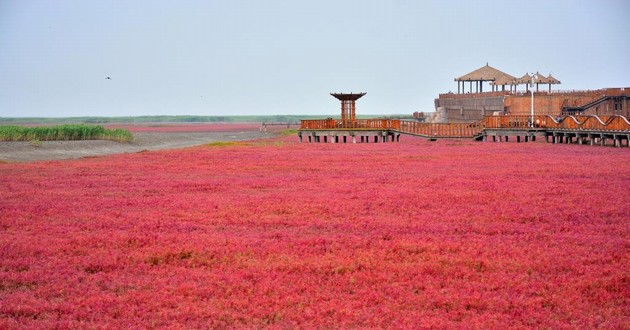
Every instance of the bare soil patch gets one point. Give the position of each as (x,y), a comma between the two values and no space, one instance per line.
(52,150)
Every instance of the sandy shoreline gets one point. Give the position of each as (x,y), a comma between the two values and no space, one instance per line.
(53,150)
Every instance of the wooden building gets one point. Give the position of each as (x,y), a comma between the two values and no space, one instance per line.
(503,97)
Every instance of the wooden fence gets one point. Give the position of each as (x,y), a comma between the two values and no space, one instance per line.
(591,123)
(444,130)
(366,124)
(465,130)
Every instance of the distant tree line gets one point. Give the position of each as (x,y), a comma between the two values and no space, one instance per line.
(293,119)
(152,119)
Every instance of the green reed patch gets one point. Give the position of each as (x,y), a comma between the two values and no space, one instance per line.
(63,133)
(287,132)
(222,144)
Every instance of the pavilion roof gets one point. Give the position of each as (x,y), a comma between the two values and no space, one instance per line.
(525,79)
(540,79)
(552,80)
(485,73)
(347,96)
(505,80)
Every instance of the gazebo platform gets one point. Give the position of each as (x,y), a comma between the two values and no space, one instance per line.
(348,136)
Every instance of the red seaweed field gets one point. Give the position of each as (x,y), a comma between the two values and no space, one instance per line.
(273,233)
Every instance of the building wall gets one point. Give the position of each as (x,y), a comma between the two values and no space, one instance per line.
(547,104)
(473,107)
(615,106)
(459,108)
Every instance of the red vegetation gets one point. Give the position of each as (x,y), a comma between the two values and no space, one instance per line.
(187,127)
(274,233)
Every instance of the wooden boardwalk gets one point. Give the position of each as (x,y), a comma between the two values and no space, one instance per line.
(613,130)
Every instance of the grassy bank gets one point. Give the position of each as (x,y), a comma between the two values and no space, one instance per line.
(64,133)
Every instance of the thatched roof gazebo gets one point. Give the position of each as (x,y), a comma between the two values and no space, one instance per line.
(499,78)
(525,79)
(552,81)
(538,79)
(485,73)
(541,79)
(503,81)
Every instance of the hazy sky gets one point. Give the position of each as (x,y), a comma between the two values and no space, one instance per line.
(238,57)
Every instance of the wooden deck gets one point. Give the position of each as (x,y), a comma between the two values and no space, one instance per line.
(568,129)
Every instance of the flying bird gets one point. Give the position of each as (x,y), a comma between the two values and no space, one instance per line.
(109,78)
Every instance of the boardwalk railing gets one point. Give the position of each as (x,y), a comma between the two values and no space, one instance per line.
(469,130)
(591,123)
(447,130)
(336,124)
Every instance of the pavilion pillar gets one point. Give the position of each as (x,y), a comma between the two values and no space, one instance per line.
(458,87)
(353,116)
(348,108)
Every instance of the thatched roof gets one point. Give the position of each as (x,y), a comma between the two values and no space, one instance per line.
(524,80)
(485,73)
(527,79)
(505,80)
(552,80)
(540,79)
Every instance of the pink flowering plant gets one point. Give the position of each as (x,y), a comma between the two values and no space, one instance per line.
(273,233)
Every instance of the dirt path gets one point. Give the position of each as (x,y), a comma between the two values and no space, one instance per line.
(50,150)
